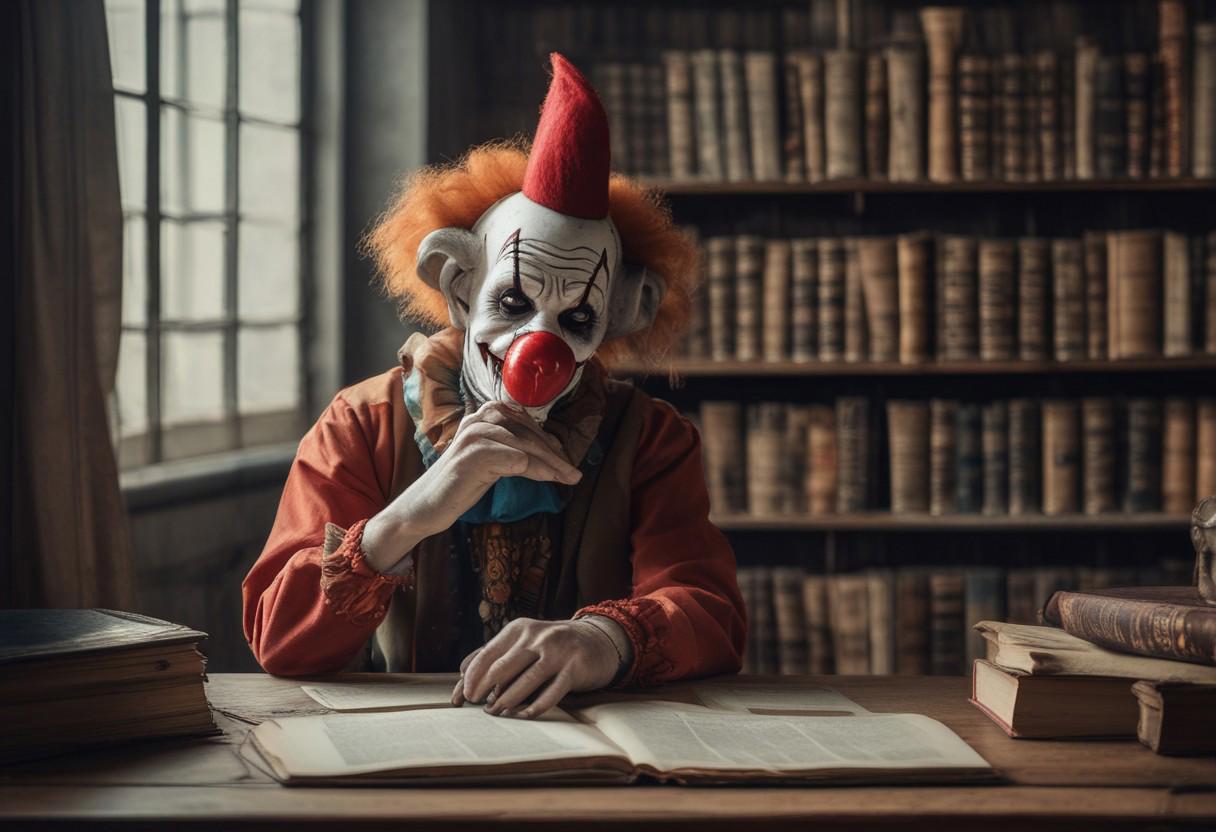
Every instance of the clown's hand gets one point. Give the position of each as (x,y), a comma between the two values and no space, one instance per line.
(528,667)
(496,441)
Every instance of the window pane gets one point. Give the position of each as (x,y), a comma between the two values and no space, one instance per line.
(134,271)
(125,25)
(270,170)
(192,377)
(270,65)
(272,5)
(131,126)
(268,369)
(192,163)
(194,55)
(192,270)
(131,384)
(269,273)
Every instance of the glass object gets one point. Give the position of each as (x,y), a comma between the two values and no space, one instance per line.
(191,163)
(192,377)
(268,369)
(131,127)
(134,270)
(270,65)
(269,273)
(126,30)
(270,173)
(131,384)
(192,270)
(193,56)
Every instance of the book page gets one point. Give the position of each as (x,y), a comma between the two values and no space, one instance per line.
(672,737)
(775,699)
(382,696)
(334,745)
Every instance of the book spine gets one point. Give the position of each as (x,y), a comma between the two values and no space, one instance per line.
(1033,265)
(760,74)
(1013,121)
(1068,116)
(1134,293)
(856,331)
(996,130)
(908,426)
(657,120)
(1024,477)
(776,300)
(1098,455)
(876,116)
(721,296)
(696,343)
(1110,156)
(764,619)
(749,270)
(1094,244)
(637,110)
(1030,119)
(706,116)
(1177,335)
(912,622)
(765,436)
(969,462)
(1047,75)
(848,606)
(853,454)
(878,261)
(943,448)
(1136,111)
(984,600)
(1144,446)
(1061,457)
(1069,309)
(1086,63)
(818,624)
(1171,19)
(722,436)
(810,90)
(1156,123)
(1205,449)
(905,84)
(943,29)
(1144,628)
(946,648)
(913,261)
(974,117)
(1178,457)
(880,607)
(746,578)
(795,457)
(842,114)
(995,446)
(804,291)
(734,116)
(959,334)
(1203,107)
(832,260)
(996,302)
(678,80)
(790,621)
(793,152)
(1020,604)
(822,464)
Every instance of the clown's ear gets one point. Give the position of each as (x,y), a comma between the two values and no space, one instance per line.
(635,300)
(447,258)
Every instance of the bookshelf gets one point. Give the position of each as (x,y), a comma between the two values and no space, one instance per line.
(889,522)
(678,189)
(767,369)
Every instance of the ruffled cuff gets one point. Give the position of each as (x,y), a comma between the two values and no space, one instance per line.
(352,589)
(645,623)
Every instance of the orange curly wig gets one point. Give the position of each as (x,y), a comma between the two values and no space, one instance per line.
(458,194)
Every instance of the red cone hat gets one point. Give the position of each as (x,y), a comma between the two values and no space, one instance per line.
(568,167)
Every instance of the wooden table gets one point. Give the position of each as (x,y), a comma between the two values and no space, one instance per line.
(203,784)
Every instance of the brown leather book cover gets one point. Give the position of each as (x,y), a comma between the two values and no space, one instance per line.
(843,94)
(722,435)
(996,299)
(1166,622)
(793,151)
(1024,479)
(804,299)
(790,620)
(1205,448)
(995,444)
(1061,457)
(1047,82)
(720,270)
(958,335)
(760,78)
(818,624)
(943,27)
(908,429)
(905,90)
(1033,268)
(856,327)
(876,116)
(848,608)
(1068,282)
(1136,77)
(912,622)
(1203,117)
(1098,455)
(974,117)
(678,86)
(776,301)
(1178,457)
(946,628)
(913,255)
(832,261)
(749,270)
(943,441)
(1171,18)
(734,116)
(822,464)
(1013,118)
(880,288)
(853,454)
(1096,323)
(765,449)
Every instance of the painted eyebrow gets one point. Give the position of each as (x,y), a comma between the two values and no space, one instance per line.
(603,264)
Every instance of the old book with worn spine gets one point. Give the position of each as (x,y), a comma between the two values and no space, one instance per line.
(1047,106)
(1098,455)
(943,448)
(764,619)
(1085,104)
(793,151)
(969,458)
(1030,119)
(1024,457)
(906,105)
(706,115)
(974,117)
(794,459)
(995,444)
(818,624)
(1136,79)
(1110,136)
(1177,335)
(997,269)
(1020,604)
(878,263)
(1172,31)
(912,622)
(747,578)
(943,27)
(946,632)
(880,607)
(776,300)
(1033,267)
(958,330)
(1176,718)
(749,273)
(810,93)
(832,264)
(1068,115)
(790,620)
(848,608)
(1205,448)
(765,450)
(804,300)
(913,255)
(856,327)
(1133,265)
(1013,121)
(638,133)
(659,143)
(1068,286)
(1203,98)
(613,86)
(1178,456)
(722,440)
(853,454)
(1026,706)
(876,115)
(842,82)
(983,600)
(1143,456)
(1096,321)
(908,430)
(682,149)
(822,464)
(720,270)
(1061,456)
(760,76)
(736,158)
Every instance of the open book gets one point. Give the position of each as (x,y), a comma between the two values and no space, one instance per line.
(612,743)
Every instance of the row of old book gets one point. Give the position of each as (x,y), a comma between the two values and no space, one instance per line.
(946,456)
(910,621)
(922,100)
(919,297)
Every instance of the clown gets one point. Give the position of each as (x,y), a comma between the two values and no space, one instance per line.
(497,504)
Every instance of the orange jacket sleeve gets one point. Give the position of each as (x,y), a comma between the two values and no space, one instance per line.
(685,617)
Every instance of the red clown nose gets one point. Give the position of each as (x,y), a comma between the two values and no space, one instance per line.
(537,368)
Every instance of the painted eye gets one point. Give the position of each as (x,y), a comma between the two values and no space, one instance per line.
(512,302)
(580,317)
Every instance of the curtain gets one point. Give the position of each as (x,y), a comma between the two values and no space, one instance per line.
(68,543)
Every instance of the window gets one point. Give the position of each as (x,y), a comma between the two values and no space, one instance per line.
(208,97)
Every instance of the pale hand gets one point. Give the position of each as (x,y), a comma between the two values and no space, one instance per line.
(498,440)
(541,659)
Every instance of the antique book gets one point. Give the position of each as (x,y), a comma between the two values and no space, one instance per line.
(765,452)
(983,600)
(969,459)
(804,299)
(1172,31)
(906,106)
(793,150)
(832,262)
(720,270)
(912,622)
(995,444)
(763,617)
(853,454)
(848,608)
(913,258)
(678,78)
(1033,267)
(658,142)
(946,634)
(1030,119)
(996,301)
(1205,448)
(1050,651)
(638,132)
(722,440)
(1177,335)
(613,85)
(908,431)
(856,328)
(821,460)
(75,678)
(1096,321)
(706,116)
(776,300)
(877,259)
(795,458)
(1165,622)
(1013,123)
(974,117)
(1156,118)
(1085,104)
(943,448)
(818,624)
(1068,288)
(1047,94)
(1143,456)
(1021,607)
(943,27)
(1110,136)
(749,272)
(1054,707)
(1203,98)
(842,114)
(1061,456)
(810,91)
(880,607)
(1178,457)
(747,578)
(1098,455)
(760,74)
(876,115)
(1024,457)
(1136,79)
(996,132)
(736,153)
(958,326)
(1176,718)
(696,343)
(1133,264)
(791,620)
(1068,115)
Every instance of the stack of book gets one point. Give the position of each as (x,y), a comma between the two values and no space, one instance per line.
(919,297)
(947,456)
(1137,661)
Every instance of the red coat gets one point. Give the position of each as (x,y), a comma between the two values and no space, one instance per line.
(685,616)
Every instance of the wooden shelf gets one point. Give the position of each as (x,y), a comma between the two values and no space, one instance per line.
(870,186)
(887,522)
(709,367)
